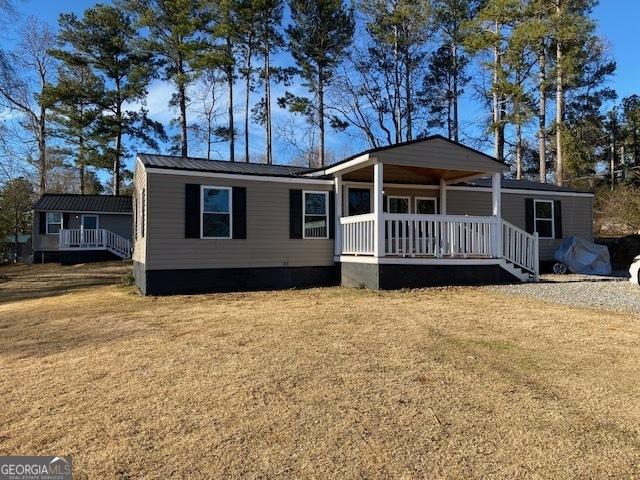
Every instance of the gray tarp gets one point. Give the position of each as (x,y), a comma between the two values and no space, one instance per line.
(584,257)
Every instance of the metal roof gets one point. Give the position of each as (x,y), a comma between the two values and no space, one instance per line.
(219,166)
(57,202)
(520,184)
(244,168)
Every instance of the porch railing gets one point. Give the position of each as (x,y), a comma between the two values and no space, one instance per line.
(358,234)
(94,239)
(438,236)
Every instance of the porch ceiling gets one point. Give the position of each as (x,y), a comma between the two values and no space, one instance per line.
(406,174)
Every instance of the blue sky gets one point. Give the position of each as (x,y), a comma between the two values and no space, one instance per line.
(616,20)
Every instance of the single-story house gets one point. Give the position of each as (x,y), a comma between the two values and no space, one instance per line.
(9,251)
(421,213)
(81,228)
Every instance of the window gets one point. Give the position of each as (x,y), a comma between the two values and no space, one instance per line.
(216,212)
(426,206)
(359,201)
(54,223)
(398,204)
(315,214)
(543,216)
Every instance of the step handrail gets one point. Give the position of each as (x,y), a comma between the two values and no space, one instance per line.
(521,248)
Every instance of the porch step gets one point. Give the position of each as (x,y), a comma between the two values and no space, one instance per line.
(119,253)
(516,271)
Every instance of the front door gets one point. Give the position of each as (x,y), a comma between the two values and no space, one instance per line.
(89,222)
(88,229)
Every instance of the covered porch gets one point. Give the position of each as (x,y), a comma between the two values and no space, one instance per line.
(417,229)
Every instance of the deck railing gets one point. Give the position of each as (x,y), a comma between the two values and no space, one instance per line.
(358,234)
(440,236)
(94,239)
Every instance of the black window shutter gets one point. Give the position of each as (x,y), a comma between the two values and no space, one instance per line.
(239,205)
(191,211)
(528,215)
(295,213)
(384,204)
(332,214)
(65,220)
(557,217)
(42,223)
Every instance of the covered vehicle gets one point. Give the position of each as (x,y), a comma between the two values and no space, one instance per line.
(581,256)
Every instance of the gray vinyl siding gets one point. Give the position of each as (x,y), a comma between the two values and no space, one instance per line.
(267,243)
(577,213)
(439,154)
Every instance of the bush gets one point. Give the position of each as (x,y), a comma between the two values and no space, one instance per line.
(127,280)
(617,213)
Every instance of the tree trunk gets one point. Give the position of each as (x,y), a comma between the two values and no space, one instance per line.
(42,149)
(267,104)
(246,101)
(612,161)
(559,106)
(518,151)
(321,114)
(396,88)
(116,160)
(449,120)
(182,99)
(408,99)
(232,135)
(454,100)
(498,127)
(542,115)
(81,164)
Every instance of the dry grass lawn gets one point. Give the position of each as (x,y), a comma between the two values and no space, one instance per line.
(321,383)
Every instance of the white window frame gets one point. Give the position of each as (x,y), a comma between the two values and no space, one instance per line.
(90,215)
(431,199)
(202,212)
(355,187)
(53,223)
(552,219)
(326,213)
(401,197)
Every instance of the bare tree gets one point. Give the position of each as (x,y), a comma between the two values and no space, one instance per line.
(208,108)
(24,75)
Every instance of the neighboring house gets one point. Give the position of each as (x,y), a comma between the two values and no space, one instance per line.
(410,215)
(81,228)
(9,252)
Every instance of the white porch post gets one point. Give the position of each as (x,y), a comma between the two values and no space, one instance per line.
(496,197)
(338,214)
(378,186)
(443,197)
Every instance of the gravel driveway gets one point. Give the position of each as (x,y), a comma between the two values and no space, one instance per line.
(607,293)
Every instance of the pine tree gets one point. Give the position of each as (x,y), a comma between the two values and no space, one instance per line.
(106,41)
(320,32)
(490,32)
(75,102)
(400,29)
(269,40)
(451,19)
(441,88)
(631,112)
(173,28)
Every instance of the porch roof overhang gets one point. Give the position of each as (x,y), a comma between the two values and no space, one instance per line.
(434,157)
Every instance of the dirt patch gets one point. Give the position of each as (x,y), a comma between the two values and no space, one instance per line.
(320,383)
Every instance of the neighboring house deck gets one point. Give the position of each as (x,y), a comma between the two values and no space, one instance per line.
(80,228)
(428,212)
